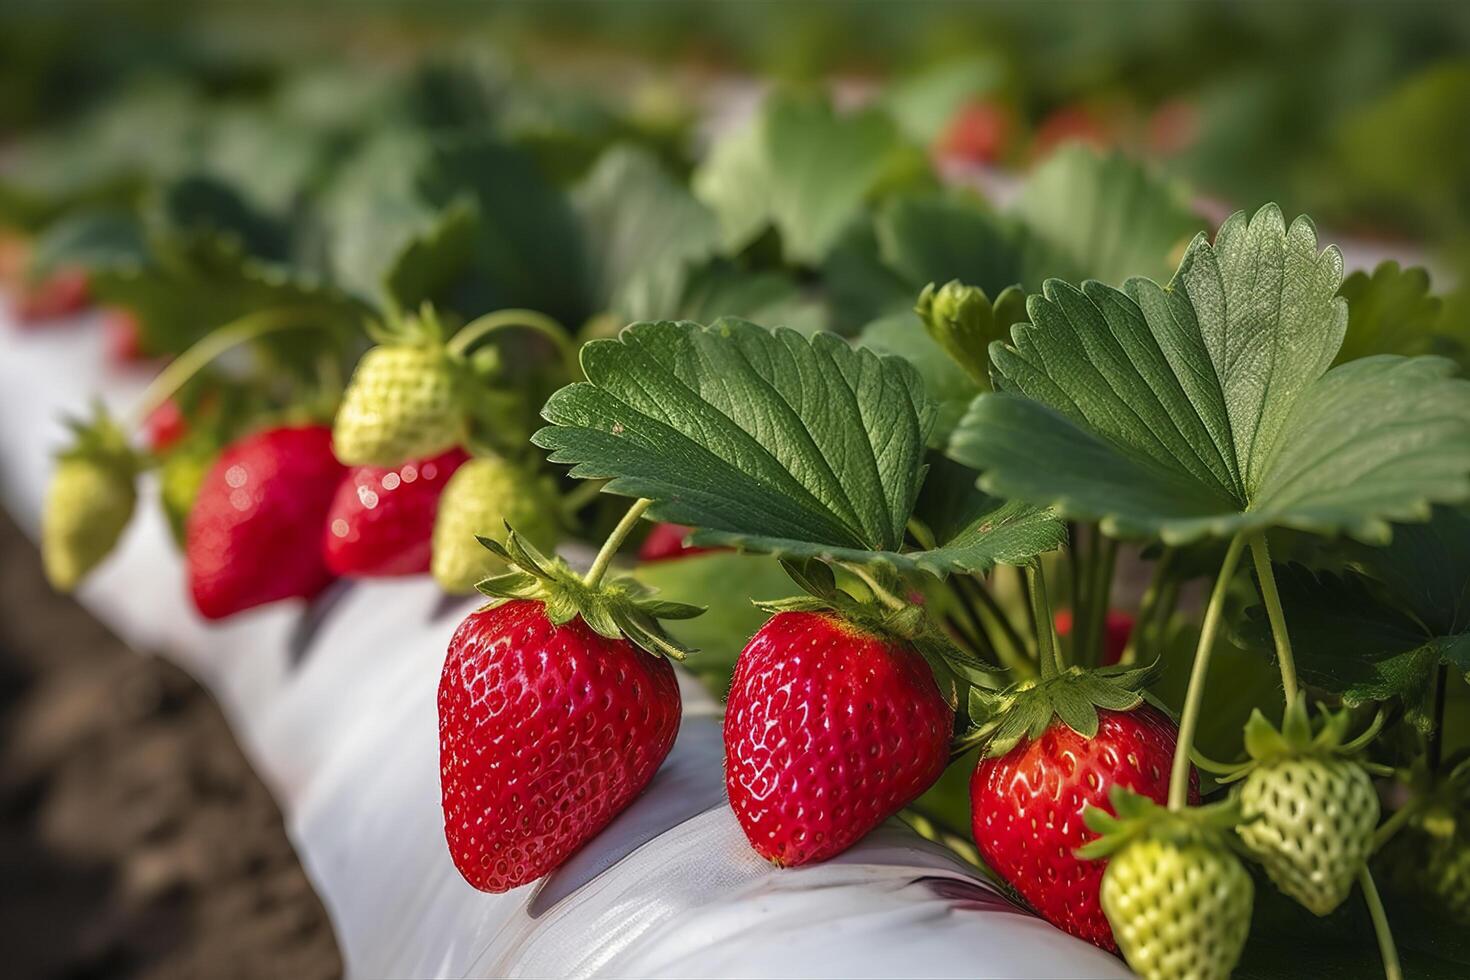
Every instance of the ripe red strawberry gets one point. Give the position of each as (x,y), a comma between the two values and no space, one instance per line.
(381,521)
(546,733)
(977,133)
(254,534)
(829,730)
(164,426)
(123,336)
(667,541)
(1117,628)
(1026,809)
(60,294)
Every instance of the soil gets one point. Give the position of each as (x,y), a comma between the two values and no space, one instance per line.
(135,841)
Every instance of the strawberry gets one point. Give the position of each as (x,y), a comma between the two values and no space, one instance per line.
(403,401)
(1070,124)
(831,728)
(1179,901)
(89,501)
(123,336)
(977,133)
(1117,628)
(381,520)
(60,294)
(667,541)
(551,720)
(1027,805)
(164,426)
(254,533)
(1053,748)
(1309,810)
(481,497)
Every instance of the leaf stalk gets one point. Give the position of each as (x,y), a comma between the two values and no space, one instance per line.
(1194,695)
(1261,555)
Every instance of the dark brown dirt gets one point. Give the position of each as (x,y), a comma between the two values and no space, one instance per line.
(135,841)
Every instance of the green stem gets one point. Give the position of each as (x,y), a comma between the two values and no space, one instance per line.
(212,345)
(615,541)
(1194,695)
(1392,825)
(1101,591)
(1261,554)
(1434,751)
(879,592)
(511,319)
(1012,652)
(1047,650)
(1386,948)
(1148,606)
(1158,631)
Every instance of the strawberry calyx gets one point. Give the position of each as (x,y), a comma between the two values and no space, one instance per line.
(1136,817)
(617,607)
(1297,738)
(101,440)
(1025,710)
(883,614)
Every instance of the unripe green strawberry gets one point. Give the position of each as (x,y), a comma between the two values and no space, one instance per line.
(1178,899)
(403,403)
(1310,824)
(1309,810)
(480,499)
(1178,909)
(89,501)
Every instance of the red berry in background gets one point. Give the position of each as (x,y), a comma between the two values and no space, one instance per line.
(1026,809)
(61,294)
(164,426)
(546,733)
(381,522)
(1117,628)
(667,541)
(254,534)
(978,133)
(829,731)
(1070,124)
(1173,128)
(123,336)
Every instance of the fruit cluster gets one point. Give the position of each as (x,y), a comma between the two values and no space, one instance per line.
(926,489)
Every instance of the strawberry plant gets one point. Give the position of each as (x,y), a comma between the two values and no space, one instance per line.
(903,422)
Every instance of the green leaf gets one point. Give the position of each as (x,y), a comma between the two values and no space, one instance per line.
(771,442)
(949,387)
(1203,408)
(92,240)
(1080,215)
(736,428)
(1379,631)
(806,169)
(526,250)
(1087,215)
(645,231)
(1392,312)
(939,237)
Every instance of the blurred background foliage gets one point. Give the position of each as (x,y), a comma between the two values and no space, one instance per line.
(1337,110)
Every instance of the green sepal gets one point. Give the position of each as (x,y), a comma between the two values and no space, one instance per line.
(1136,817)
(421,329)
(1024,710)
(619,607)
(1297,737)
(909,624)
(100,439)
